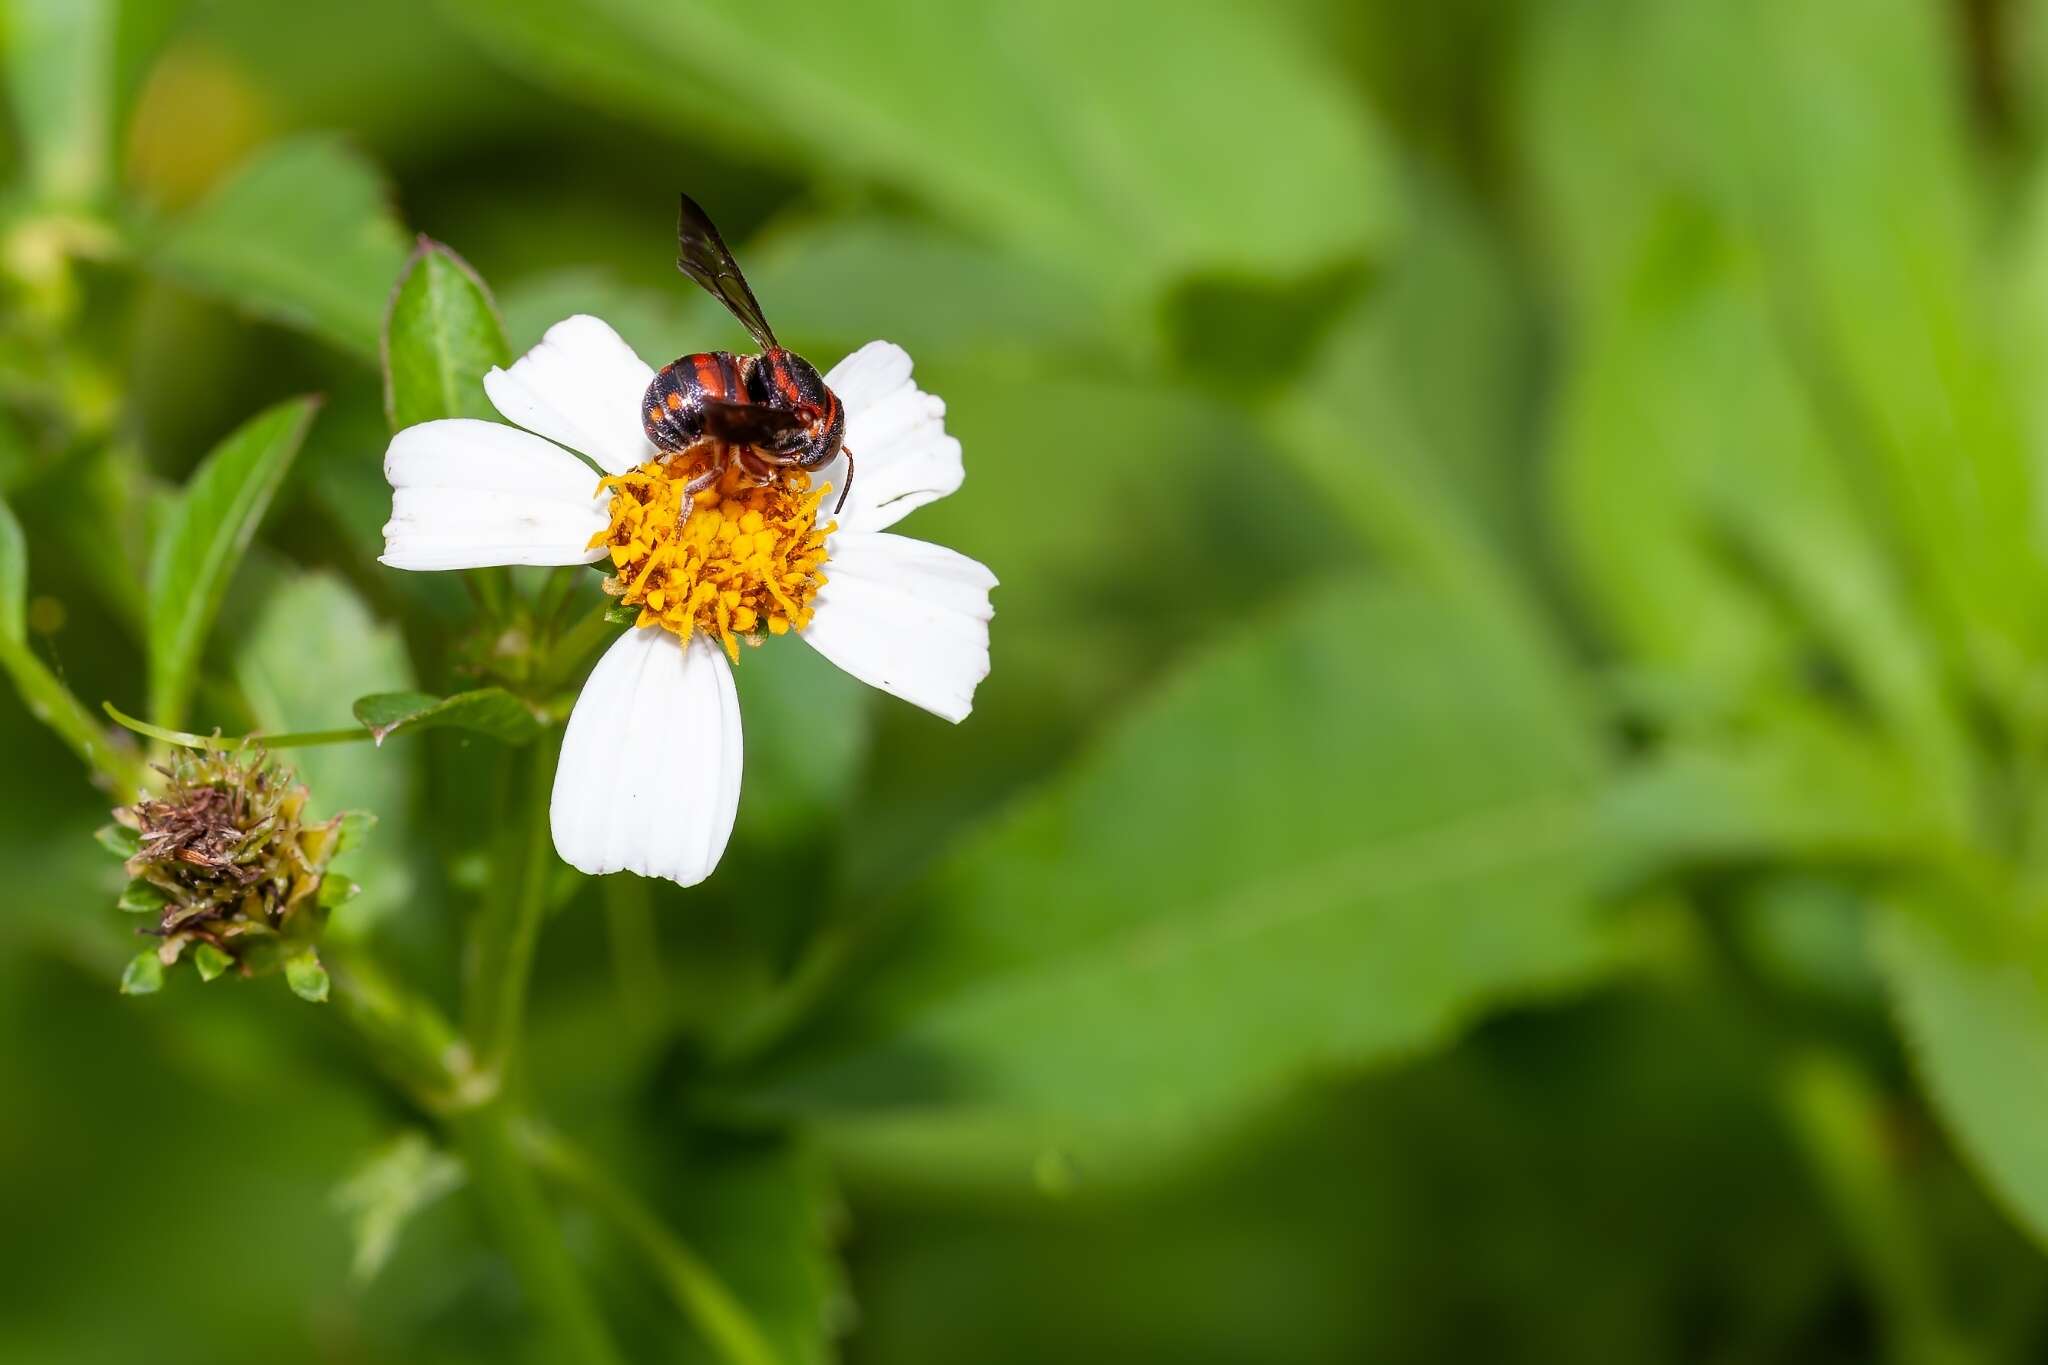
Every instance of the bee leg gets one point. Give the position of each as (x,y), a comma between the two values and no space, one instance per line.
(708,477)
(756,468)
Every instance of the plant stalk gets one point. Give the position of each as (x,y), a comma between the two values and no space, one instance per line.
(52,703)
(507,928)
(698,1292)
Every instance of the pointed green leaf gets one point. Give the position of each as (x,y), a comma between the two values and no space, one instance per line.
(144,974)
(488,711)
(355,828)
(210,527)
(60,59)
(388,1190)
(1070,129)
(118,840)
(13,578)
(440,337)
(307,978)
(1972,1001)
(302,235)
(140,898)
(336,889)
(210,961)
(1191,918)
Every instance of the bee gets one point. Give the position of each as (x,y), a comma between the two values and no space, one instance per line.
(767,413)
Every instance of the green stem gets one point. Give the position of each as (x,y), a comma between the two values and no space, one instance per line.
(636,949)
(526,1229)
(418,1049)
(186,739)
(1838,1116)
(508,925)
(406,1036)
(573,647)
(52,703)
(698,1292)
(501,964)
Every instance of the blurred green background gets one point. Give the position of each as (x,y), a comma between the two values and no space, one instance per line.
(1510,819)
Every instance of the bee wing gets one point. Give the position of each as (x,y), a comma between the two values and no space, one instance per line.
(748,424)
(702,255)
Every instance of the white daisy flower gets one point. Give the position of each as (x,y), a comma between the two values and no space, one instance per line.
(649,778)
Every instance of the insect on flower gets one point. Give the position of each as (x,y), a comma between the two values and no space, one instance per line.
(768,412)
(717,542)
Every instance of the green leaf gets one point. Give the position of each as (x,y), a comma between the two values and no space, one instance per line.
(140,898)
(1640,429)
(310,649)
(355,829)
(486,711)
(304,974)
(13,578)
(1829,138)
(209,529)
(1191,920)
(210,961)
(1071,130)
(1972,1000)
(337,890)
(301,235)
(118,840)
(144,974)
(388,1191)
(60,74)
(440,337)
(1798,783)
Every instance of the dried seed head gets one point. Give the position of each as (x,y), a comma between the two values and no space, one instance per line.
(227,868)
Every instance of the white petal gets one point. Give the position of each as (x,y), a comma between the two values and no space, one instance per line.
(902,456)
(649,779)
(466,494)
(906,616)
(582,386)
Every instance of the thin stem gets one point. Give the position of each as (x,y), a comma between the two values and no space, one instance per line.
(405,1035)
(186,739)
(508,925)
(636,948)
(574,646)
(1838,1116)
(52,703)
(420,1052)
(526,1229)
(698,1292)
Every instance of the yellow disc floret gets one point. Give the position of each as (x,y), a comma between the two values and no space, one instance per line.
(733,560)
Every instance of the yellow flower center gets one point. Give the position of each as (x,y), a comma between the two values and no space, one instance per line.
(732,559)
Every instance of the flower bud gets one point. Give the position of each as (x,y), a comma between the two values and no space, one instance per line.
(230,875)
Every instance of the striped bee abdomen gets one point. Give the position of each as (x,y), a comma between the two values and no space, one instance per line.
(673,411)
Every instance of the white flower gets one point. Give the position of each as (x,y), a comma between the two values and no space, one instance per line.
(649,777)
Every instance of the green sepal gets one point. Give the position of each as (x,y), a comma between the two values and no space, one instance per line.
(118,840)
(140,898)
(336,890)
(619,614)
(210,961)
(307,978)
(355,827)
(144,974)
